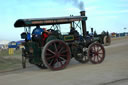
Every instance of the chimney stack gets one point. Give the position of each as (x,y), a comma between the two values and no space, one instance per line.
(83,23)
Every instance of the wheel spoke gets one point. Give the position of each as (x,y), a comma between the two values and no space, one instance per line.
(64,51)
(100,53)
(94,47)
(50,57)
(61,49)
(55,47)
(98,59)
(62,58)
(51,62)
(99,50)
(60,61)
(49,54)
(92,50)
(51,51)
(94,58)
(55,61)
(101,56)
(62,55)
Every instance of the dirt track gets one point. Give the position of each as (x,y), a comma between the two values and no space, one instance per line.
(113,71)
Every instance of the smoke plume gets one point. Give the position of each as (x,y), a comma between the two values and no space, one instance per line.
(76,3)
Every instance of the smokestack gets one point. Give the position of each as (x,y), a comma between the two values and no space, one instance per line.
(91,30)
(83,23)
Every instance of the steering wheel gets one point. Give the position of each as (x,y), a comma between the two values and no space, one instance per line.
(50,30)
(56,32)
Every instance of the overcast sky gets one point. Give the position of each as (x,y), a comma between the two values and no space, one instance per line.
(108,15)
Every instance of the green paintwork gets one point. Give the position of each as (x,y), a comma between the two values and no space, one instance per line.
(84,19)
(28,22)
(36,55)
(51,37)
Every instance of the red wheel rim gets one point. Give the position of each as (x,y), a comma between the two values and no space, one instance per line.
(56,55)
(96,53)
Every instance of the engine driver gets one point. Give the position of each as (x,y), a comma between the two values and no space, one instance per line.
(40,34)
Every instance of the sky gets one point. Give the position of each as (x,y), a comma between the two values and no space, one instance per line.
(107,15)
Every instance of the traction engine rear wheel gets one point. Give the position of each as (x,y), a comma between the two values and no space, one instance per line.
(56,55)
(96,53)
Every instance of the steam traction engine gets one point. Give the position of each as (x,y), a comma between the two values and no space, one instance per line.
(55,51)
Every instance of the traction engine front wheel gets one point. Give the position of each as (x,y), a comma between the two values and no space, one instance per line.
(96,53)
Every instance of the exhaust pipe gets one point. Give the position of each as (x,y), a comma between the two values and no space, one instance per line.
(83,24)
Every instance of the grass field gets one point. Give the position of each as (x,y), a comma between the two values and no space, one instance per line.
(9,62)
